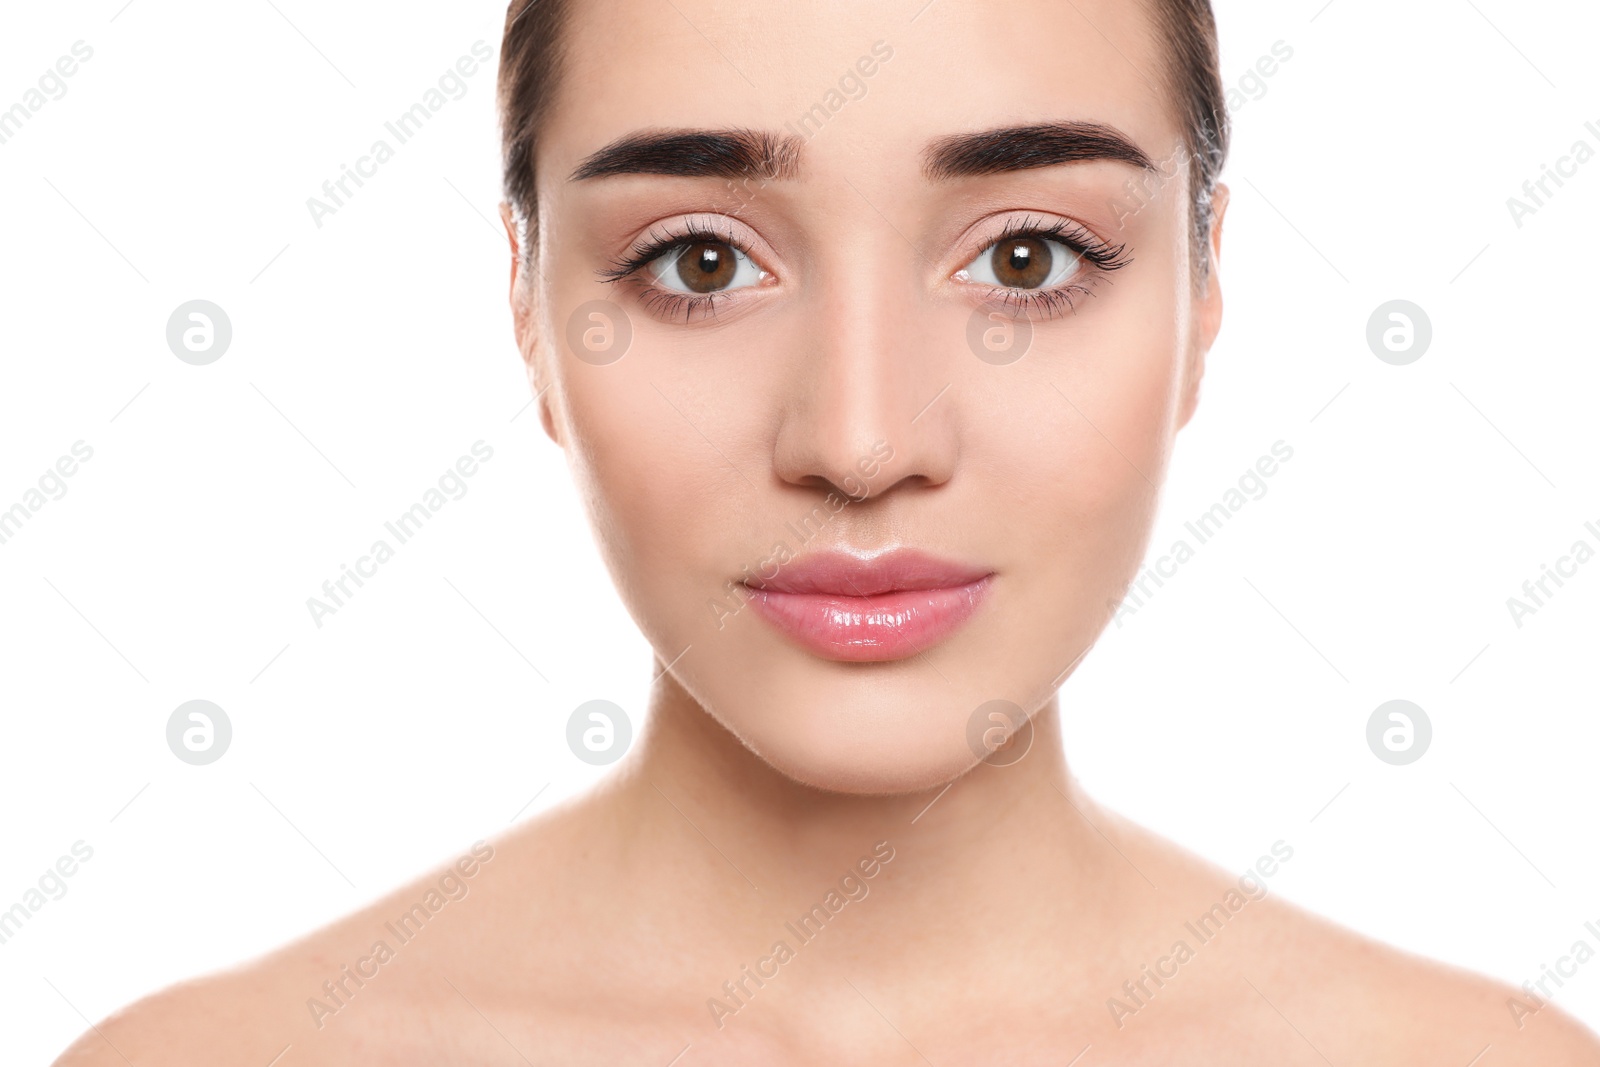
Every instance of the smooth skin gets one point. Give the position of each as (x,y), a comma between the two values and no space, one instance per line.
(1014,908)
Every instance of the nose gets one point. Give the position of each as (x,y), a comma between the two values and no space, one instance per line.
(870,407)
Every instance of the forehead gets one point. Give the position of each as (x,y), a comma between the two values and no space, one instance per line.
(859,80)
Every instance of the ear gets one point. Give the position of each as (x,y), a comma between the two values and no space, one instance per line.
(1208,311)
(525,325)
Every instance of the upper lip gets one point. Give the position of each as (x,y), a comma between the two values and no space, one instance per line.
(836,573)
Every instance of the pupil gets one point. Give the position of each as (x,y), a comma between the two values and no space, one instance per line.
(707,266)
(1022,264)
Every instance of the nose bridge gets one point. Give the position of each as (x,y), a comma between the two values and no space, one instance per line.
(860,373)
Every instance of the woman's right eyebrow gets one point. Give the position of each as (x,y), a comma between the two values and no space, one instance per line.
(735,153)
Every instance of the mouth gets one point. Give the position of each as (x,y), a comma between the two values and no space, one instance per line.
(870,609)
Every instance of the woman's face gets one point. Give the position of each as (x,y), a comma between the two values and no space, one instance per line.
(871,433)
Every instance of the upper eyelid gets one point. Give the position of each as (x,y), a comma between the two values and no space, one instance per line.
(984,236)
(681,230)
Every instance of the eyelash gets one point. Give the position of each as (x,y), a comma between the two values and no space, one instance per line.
(1101,257)
(669,303)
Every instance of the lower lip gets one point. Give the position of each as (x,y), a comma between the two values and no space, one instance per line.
(871,629)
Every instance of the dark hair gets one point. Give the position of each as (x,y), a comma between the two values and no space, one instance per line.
(1194,80)
(531,57)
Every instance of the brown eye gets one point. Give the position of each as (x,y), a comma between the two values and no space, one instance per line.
(1027,262)
(1022,262)
(707,266)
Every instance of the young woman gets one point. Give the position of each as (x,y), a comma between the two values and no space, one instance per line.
(867,330)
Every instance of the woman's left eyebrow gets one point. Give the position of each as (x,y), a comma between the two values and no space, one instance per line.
(735,153)
(1012,148)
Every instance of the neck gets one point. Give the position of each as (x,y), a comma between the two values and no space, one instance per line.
(707,820)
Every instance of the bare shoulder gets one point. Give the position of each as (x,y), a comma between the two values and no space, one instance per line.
(351,991)
(1271,964)
(1405,1008)
(203,1020)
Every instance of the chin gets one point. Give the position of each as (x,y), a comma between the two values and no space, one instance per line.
(885,773)
(872,751)
(885,728)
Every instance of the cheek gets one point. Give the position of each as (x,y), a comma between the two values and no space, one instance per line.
(637,471)
(652,454)
(1087,474)
(1106,416)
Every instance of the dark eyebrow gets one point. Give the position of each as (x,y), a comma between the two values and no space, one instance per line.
(734,153)
(1025,147)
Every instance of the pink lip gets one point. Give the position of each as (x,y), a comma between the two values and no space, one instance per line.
(860,609)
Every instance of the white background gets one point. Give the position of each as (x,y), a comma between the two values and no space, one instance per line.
(371,353)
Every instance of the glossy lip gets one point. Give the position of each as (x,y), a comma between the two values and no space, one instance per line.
(864,609)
